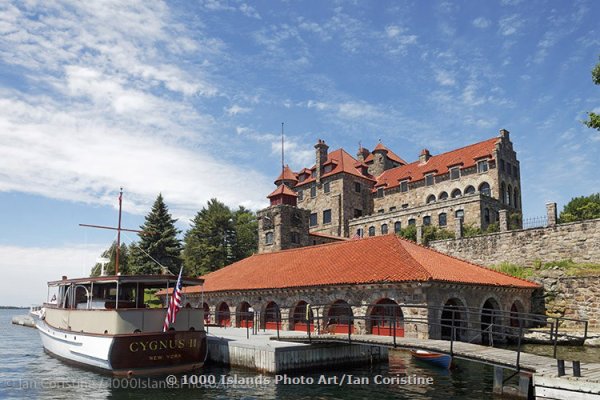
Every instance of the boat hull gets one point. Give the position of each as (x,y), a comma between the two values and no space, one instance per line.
(130,354)
(437,359)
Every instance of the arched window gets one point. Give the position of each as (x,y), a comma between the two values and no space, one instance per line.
(469,190)
(486,215)
(503,193)
(509,196)
(484,189)
(269,238)
(431,198)
(443,219)
(456,193)
(384,229)
(427,220)
(371,231)
(516,198)
(397,226)
(443,196)
(412,221)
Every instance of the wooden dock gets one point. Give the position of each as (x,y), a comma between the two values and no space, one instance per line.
(539,372)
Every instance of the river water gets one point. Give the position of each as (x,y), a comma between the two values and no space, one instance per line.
(27,372)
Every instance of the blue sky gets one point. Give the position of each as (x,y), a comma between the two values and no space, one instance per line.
(187,98)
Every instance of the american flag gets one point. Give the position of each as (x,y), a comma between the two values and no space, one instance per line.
(174,304)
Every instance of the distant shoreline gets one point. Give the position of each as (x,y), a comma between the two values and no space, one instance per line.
(13,308)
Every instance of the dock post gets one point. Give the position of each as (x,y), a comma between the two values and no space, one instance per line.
(498,379)
(525,386)
(561,367)
(577,369)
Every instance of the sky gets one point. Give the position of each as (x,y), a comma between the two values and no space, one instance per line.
(186,98)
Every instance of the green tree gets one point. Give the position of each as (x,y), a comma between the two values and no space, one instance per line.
(594,119)
(158,243)
(409,232)
(431,233)
(581,208)
(219,237)
(111,254)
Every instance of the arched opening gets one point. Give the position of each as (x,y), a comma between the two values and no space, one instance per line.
(386,318)
(397,227)
(243,316)
(503,193)
(371,231)
(223,315)
(485,189)
(340,317)
(384,229)
(302,317)
(509,196)
(516,198)
(491,321)
(515,310)
(456,193)
(272,316)
(469,190)
(443,196)
(431,198)
(454,318)
(206,312)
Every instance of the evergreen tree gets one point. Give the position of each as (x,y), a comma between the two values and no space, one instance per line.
(111,254)
(219,237)
(158,243)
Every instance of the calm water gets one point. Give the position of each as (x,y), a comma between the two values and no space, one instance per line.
(27,372)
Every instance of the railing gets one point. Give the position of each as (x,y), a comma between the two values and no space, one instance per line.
(535,222)
(455,323)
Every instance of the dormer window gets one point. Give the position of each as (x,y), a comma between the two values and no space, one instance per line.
(313,191)
(482,166)
(327,168)
(428,179)
(380,192)
(301,178)
(313,173)
(404,186)
(454,173)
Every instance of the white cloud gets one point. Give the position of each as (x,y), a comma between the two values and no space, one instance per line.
(249,11)
(444,78)
(33,267)
(235,110)
(481,22)
(510,25)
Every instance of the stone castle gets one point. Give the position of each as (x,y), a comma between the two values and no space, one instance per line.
(377,193)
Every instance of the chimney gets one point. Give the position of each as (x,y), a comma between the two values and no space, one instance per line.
(321,155)
(362,154)
(504,134)
(425,156)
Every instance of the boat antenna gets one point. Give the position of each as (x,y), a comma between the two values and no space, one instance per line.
(118,229)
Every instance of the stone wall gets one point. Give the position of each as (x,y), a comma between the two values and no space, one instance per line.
(572,297)
(578,241)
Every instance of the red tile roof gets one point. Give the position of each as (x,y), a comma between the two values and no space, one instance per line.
(287,175)
(323,235)
(385,258)
(391,155)
(282,189)
(341,162)
(465,156)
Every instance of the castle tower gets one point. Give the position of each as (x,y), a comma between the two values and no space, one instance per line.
(380,160)
(282,225)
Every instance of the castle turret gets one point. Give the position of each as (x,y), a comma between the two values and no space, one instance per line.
(380,160)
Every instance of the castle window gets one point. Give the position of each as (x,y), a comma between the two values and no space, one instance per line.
(300,194)
(455,193)
(429,180)
(503,192)
(484,189)
(509,196)
(381,210)
(357,187)
(380,192)
(397,226)
(486,215)
(357,213)
(392,209)
(442,219)
(313,219)
(412,221)
(313,190)
(431,198)
(459,214)
(454,173)
(443,196)
(482,166)
(295,239)
(371,231)
(502,165)
(327,168)
(359,233)
(516,198)
(301,178)
(470,190)
(269,238)
(508,168)
(427,220)
(326,187)
(313,174)
(515,171)
(384,229)
(404,186)
(327,216)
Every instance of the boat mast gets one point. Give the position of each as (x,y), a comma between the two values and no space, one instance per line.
(118,229)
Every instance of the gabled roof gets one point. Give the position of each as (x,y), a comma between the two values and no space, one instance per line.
(341,162)
(282,189)
(391,155)
(377,259)
(465,157)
